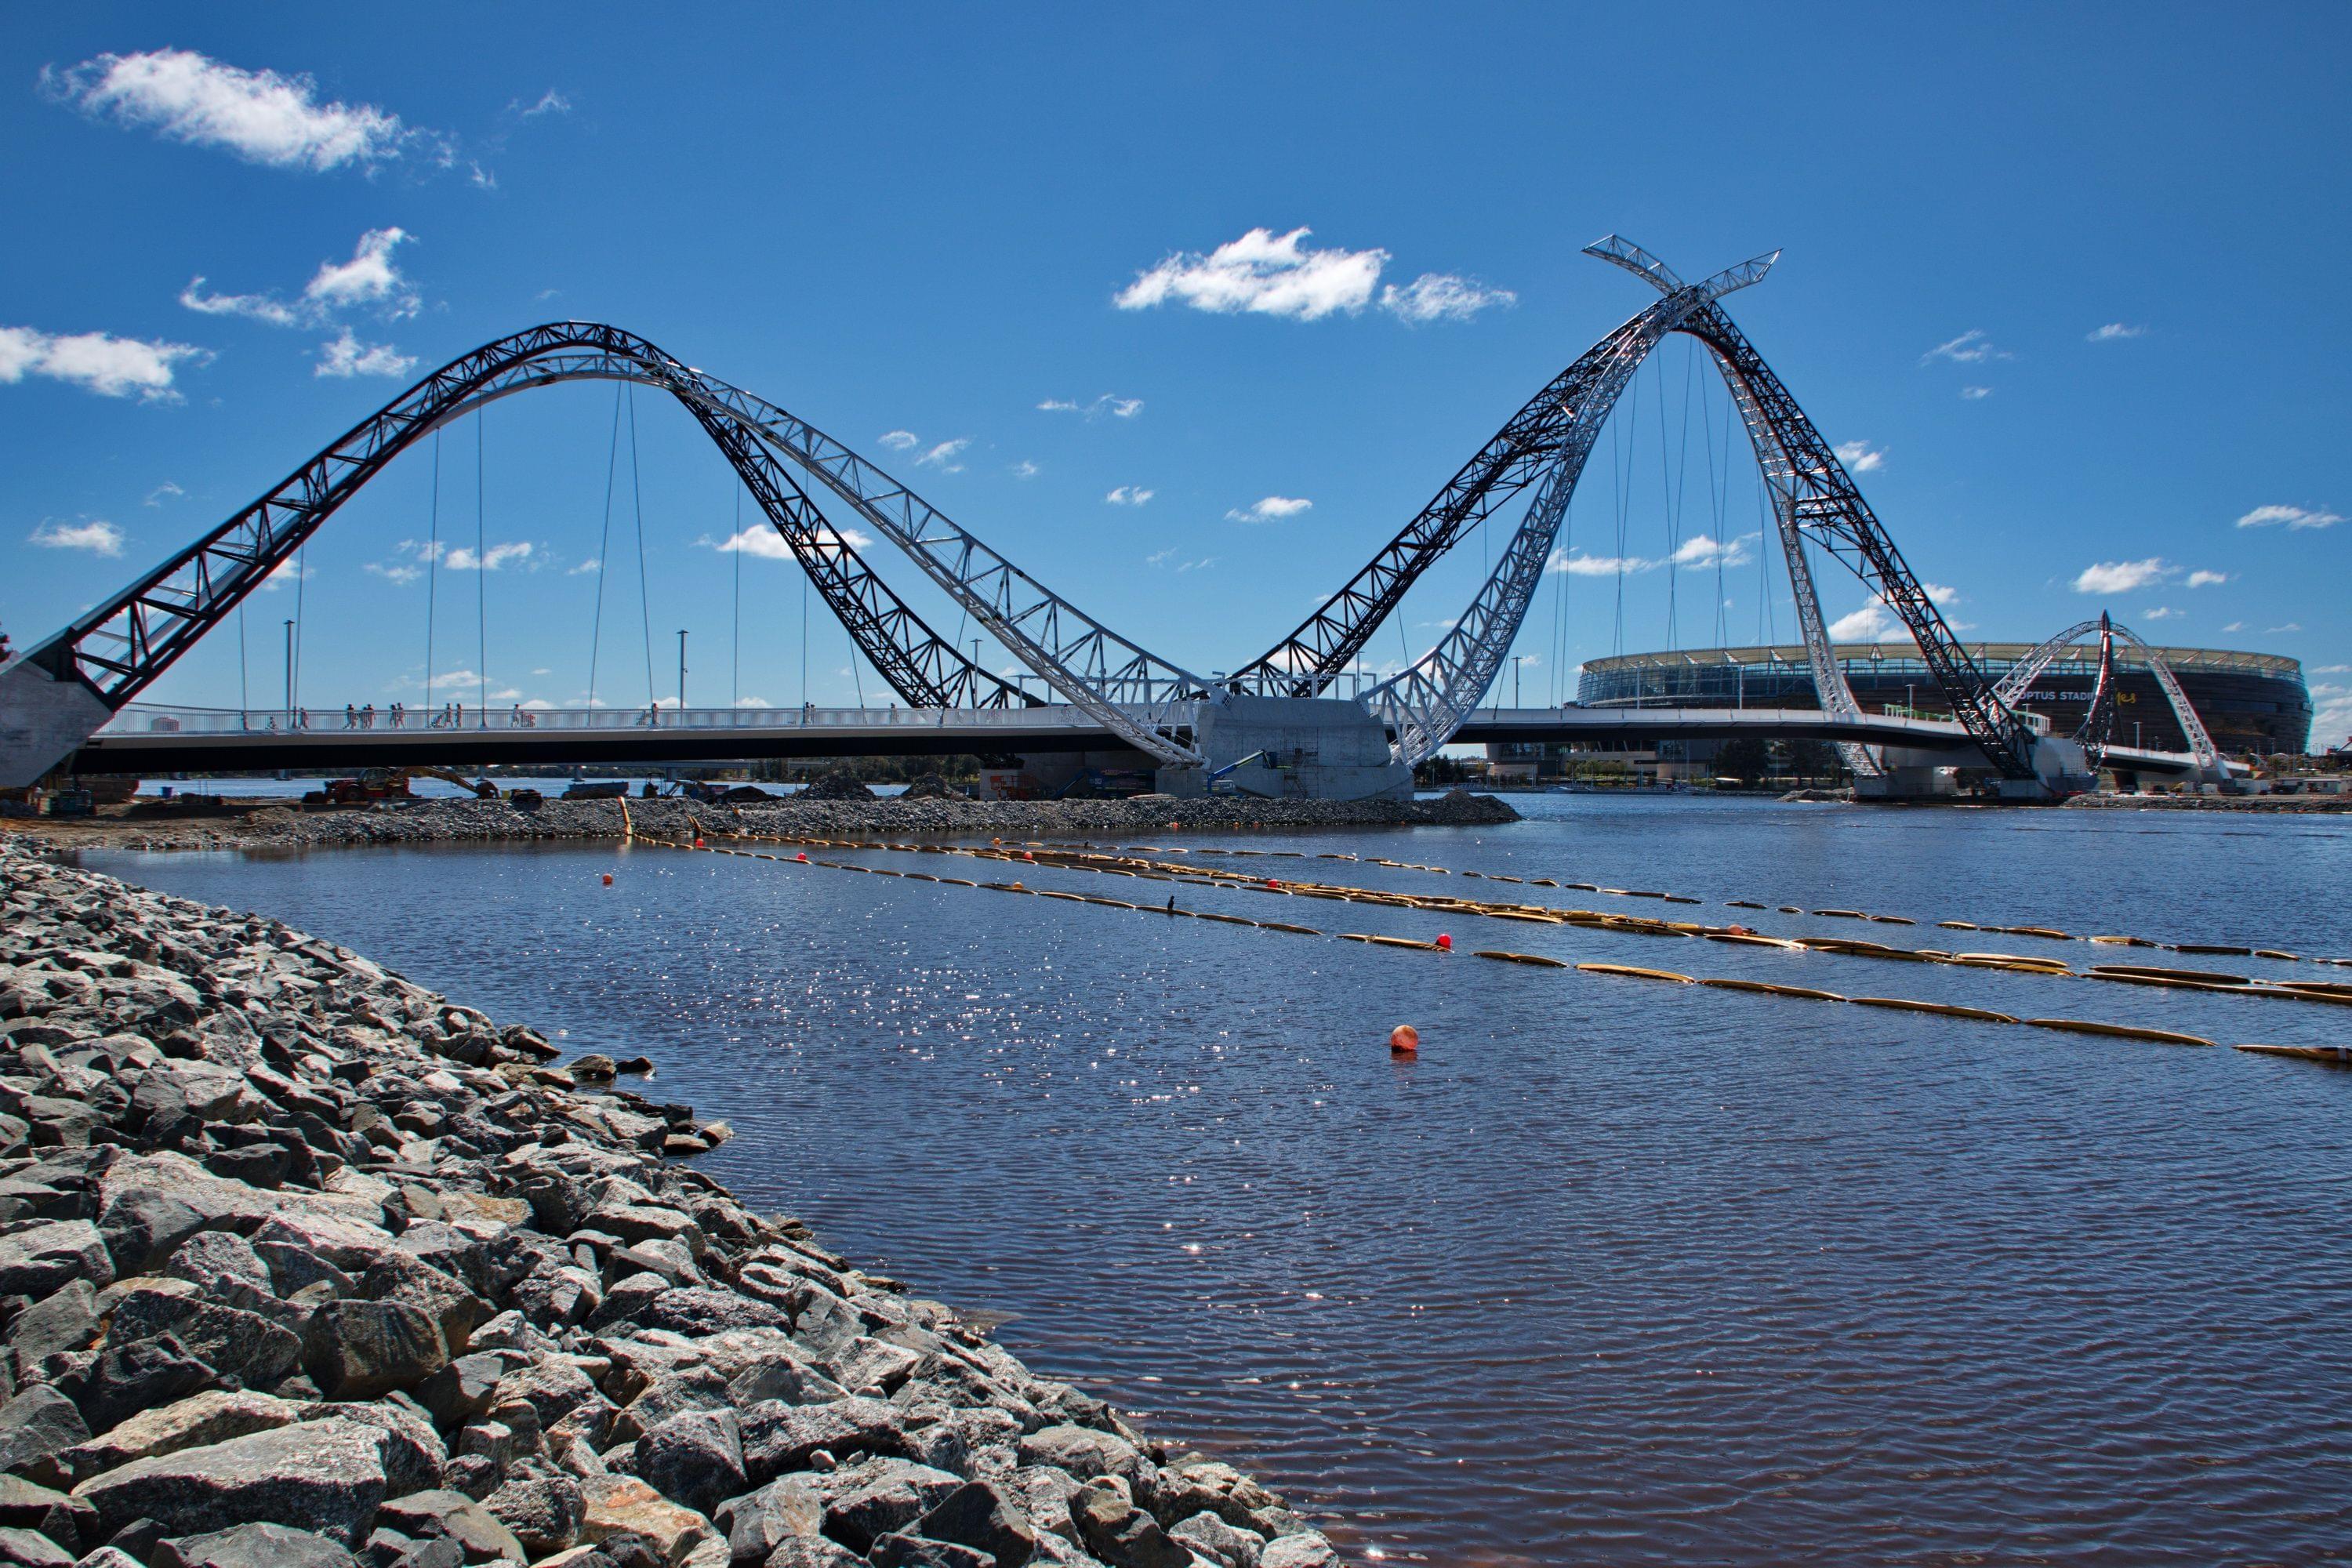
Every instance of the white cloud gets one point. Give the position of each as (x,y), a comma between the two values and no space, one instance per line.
(2160,613)
(2204,579)
(1163,560)
(344,355)
(1859,457)
(1026,470)
(1971,347)
(2113,331)
(97,535)
(1269,508)
(1117,407)
(155,496)
(1130,495)
(2331,719)
(763,542)
(399,574)
(260,116)
(1263,274)
(2235,626)
(261,306)
(1869,624)
(944,455)
(1203,564)
(1441,296)
(1700,549)
(593,564)
(2332,669)
(464,559)
(1597,565)
(900,440)
(2295,517)
(481,178)
(1160,557)
(369,277)
(1939,595)
(550,102)
(106,365)
(1976,393)
(753,702)
(2290,627)
(2123,576)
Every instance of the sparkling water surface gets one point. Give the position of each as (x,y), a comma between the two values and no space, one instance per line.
(1617,1272)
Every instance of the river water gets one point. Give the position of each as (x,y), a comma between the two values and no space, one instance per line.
(1617,1272)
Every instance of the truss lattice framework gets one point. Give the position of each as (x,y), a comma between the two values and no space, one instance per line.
(1143,699)
(1424,704)
(123,645)
(2027,670)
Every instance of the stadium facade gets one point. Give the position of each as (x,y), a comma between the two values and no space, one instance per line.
(2253,703)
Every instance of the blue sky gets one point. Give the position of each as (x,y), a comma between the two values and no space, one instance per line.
(2066,284)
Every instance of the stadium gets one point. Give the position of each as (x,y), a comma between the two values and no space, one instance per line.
(2254,704)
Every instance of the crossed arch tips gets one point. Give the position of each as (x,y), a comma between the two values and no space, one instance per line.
(1616,250)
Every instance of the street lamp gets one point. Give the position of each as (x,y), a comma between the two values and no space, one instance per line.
(681,670)
(290,674)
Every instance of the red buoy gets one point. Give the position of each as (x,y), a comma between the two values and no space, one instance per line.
(1271,883)
(1444,942)
(1405,1041)
(802,857)
(608,878)
(698,841)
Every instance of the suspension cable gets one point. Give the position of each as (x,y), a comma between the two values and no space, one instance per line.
(301,572)
(243,702)
(645,602)
(737,699)
(605,547)
(432,573)
(481,578)
(804,591)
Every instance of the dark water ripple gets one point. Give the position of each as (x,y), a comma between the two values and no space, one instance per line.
(1616,1273)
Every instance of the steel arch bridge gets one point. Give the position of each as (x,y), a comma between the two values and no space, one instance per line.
(67,686)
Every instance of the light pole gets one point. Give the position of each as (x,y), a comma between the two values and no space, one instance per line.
(681,670)
(290,674)
(1517,661)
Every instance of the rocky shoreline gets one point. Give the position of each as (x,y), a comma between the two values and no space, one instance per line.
(264,826)
(302,1264)
(2259,805)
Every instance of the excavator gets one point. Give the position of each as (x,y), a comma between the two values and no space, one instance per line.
(392,784)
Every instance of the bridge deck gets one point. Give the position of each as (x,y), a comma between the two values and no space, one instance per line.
(154,740)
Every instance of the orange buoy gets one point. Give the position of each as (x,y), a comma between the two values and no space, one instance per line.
(1444,942)
(1405,1041)
(1026,855)
(608,878)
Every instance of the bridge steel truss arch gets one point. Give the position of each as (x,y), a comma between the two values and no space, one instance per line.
(1815,500)
(123,645)
(2022,675)
(1146,700)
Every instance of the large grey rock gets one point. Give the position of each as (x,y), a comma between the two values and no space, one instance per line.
(360,1349)
(224,1264)
(757,1523)
(234,1343)
(454,1516)
(876,1496)
(900,1550)
(28,1549)
(695,1458)
(1305,1550)
(128,1378)
(1210,1535)
(709,1312)
(1083,1451)
(811,1552)
(781,1437)
(35,1427)
(214,1415)
(253,1546)
(414,1454)
(144,1226)
(39,1259)
(65,1320)
(26,1506)
(987,1518)
(325,1476)
(545,1512)
(455,1309)
(1122,1534)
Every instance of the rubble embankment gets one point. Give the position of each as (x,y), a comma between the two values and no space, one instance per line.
(303,1264)
(278,825)
(2255,805)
